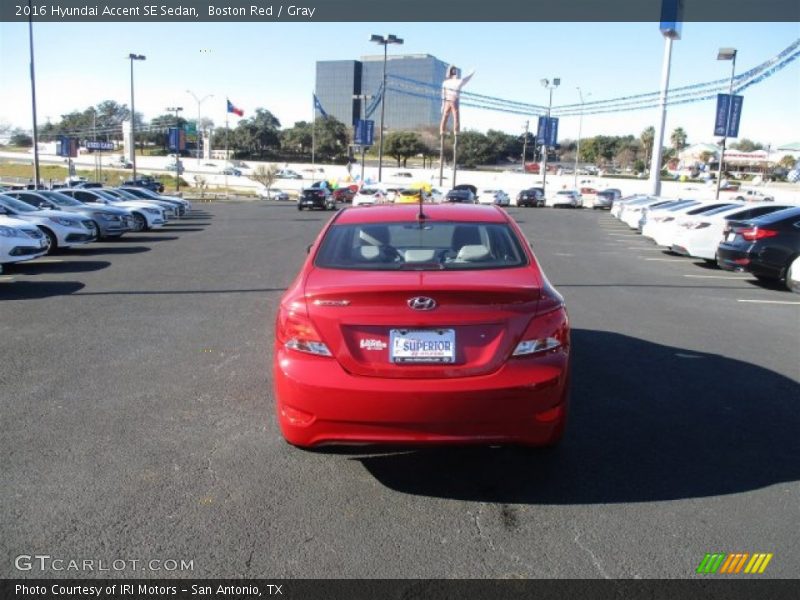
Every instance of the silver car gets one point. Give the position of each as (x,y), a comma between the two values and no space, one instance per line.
(110,222)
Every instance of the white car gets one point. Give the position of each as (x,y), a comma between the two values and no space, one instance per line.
(62,229)
(650,214)
(699,236)
(661,227)
(19,241)
(369,195)
(146,215)
(570,198)
(619,205)
(498,197)
(632,212)
(180,205)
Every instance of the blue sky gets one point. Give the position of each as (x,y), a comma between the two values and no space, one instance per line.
(272,65)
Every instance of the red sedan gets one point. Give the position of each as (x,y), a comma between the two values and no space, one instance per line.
(429,324)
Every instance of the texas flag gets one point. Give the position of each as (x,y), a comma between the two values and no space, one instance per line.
(232,109)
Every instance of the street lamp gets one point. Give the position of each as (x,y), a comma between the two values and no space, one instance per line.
(363,113)
(726,54)
(199,103)
(383,41)
(547,84)
(132,58)
(36,173)
(177,110)
(578,149)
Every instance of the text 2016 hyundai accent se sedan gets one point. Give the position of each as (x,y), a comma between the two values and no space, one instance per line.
(429,327)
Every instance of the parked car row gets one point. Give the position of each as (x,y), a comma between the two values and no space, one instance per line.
(37,222)
(759,238)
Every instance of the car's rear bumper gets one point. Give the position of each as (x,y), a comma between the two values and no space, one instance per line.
(318,402)
(733,258)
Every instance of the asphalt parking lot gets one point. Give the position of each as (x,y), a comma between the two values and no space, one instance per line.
(135,393)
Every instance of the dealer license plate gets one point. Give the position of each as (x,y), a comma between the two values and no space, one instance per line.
(422,345)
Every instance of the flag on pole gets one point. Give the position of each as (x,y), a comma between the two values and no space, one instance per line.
(318,107)
(232,109)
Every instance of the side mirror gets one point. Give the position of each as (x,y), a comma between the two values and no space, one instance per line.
(308,248)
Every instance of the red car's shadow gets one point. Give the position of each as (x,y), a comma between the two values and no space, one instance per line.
(648,423)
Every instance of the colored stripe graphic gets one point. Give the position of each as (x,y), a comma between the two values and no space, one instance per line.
(758,563)
(711,563)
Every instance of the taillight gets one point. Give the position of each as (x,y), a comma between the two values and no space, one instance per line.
(755,233)
(296,331)
(549,329)
(546,332)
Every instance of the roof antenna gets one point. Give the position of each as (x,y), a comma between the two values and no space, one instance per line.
(421,215)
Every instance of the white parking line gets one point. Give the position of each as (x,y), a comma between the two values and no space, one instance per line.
(625,234)
(734,277)
(6,278)
(769,302)
(45,261)
(562,254)
(654,248)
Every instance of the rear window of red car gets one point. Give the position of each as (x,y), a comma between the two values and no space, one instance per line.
(427,246)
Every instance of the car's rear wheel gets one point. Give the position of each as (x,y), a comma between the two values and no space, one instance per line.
(793,275)
(299,207)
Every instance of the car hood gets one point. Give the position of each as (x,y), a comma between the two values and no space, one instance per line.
(14,222)
(48,213)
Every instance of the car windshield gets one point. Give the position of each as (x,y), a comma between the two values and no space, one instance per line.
(122,194)
(17,205)
(61,199)
(427,246)
(140,192)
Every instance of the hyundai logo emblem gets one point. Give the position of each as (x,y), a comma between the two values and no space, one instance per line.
(421,303)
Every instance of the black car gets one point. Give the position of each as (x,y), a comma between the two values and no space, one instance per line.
(146,182)
(318,197)
(531,197)
(765,247)
(462,196)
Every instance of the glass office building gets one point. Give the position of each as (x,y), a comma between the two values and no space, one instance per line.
(339,80)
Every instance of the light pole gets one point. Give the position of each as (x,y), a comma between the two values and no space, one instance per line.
(177,110)
(33,102)
(132,58)
(363,112)
(199,104)
(383,41)
(524,146)
(550,86)
(670,30)
(578,149)
(726,54)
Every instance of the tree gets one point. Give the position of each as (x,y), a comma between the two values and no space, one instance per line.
(402,145)
(297,140)
(706,156)
(21,139)
(332,138)
(745,145)
(474,149)
(678,139)
(504,146)
(647,137)
(257,135)
(265,175)
(787,162)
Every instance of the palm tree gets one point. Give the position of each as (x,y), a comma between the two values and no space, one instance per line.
(678,139)
(647,136)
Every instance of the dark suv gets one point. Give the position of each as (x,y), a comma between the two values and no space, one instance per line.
(147,182)
(316,198)
(531,197)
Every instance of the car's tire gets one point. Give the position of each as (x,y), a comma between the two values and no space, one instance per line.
(139,222)
(100,235)
(52,240)
(793,275)
(299,207)
(740,198)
